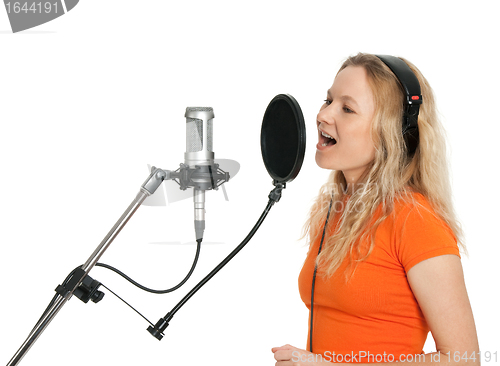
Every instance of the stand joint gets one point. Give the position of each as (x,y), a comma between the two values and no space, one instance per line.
(85,287)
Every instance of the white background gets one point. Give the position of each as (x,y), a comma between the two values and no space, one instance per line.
(91,98)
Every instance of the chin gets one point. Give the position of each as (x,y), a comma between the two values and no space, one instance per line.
(323,163)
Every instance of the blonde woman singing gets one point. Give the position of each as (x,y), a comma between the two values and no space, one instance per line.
(384,255)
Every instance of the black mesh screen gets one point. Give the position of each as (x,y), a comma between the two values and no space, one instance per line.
(283,138)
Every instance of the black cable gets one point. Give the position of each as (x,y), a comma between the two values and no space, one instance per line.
(314,281)
(107,266)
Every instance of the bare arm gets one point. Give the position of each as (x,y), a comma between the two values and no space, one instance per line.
(439,287)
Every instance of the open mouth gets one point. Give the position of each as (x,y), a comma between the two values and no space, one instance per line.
(326,140)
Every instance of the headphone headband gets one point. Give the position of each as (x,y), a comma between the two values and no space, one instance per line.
(412,101)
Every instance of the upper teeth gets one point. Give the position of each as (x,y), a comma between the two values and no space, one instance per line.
(326,135)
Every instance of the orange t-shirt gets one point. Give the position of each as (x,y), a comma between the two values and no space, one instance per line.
(376,311)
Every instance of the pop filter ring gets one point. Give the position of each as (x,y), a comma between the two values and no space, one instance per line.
(283,138)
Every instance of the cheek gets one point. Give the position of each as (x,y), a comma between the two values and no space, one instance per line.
(359,145)
(368,153)
(356,137)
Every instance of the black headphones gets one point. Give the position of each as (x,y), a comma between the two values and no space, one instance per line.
(412,101)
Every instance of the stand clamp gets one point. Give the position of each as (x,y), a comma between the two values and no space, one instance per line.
(87,290)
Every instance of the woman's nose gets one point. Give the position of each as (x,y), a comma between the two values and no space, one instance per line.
(325,115)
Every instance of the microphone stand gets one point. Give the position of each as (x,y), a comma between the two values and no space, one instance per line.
(65,292)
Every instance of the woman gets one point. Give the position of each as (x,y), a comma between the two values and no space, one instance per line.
(389,269)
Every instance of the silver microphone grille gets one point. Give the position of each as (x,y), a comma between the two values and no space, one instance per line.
(199,129)
(210,133)
(199,109)
(194,134)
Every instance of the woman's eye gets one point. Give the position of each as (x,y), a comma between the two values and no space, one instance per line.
(328,102)
(348,110)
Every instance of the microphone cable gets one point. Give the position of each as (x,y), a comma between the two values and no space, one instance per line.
(117,271)
(314,280)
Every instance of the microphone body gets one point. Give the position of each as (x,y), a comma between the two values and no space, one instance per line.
(199,155)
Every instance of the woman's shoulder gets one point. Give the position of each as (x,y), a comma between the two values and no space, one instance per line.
(417,210)
(419,232)
(409,201)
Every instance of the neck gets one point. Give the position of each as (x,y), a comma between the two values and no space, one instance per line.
(354,178)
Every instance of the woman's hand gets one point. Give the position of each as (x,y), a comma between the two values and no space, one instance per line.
(292,356)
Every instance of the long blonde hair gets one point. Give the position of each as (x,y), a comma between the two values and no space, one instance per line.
(392,176)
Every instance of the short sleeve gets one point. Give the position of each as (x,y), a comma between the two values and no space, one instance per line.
(423,236)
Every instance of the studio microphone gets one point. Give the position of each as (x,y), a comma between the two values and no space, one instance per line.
(199,157)
(199,170)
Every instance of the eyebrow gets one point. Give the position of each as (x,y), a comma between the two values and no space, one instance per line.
(346,98)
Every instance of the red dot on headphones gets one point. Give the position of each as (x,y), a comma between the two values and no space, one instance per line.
(415,97)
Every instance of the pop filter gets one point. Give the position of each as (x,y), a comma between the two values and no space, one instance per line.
(283,138)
